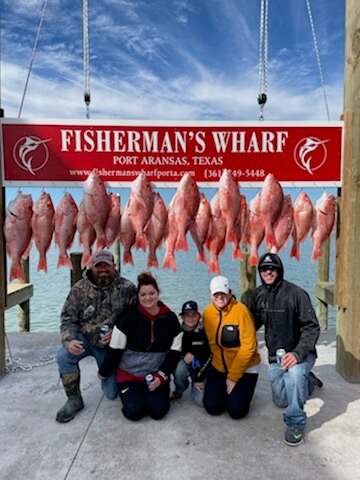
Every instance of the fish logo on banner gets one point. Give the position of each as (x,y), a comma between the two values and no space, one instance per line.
(310,154)
(31,153)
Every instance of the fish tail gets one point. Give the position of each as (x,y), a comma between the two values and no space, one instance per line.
(42,265)
(86,259)
(231,237)
(237,253)
(253,259)
(169,262)
(181,243)
(270,239)
(152,261)
(17,271)
(101,242)
(316,253)
(64,261)
(214,266)
(140,242)
(201,257)
(295,251)
(128,258)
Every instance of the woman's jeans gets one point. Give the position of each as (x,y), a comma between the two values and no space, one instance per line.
(181,380)
(291,388)
(69,363)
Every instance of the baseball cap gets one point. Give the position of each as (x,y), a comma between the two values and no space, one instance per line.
(219,284)
(269,260)
(189,306)
(103,256)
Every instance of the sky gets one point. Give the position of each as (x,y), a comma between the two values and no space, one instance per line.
(171,60)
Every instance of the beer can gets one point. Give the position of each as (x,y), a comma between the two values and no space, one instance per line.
(280,352)
(149,378)
(103,330)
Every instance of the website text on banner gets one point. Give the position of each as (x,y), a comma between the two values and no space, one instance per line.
(63,153)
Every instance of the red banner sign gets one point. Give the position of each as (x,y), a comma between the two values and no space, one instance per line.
(50,153)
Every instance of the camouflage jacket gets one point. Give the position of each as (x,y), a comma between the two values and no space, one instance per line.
(88,307)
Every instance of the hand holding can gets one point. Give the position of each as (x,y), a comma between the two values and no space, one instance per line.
(280,352)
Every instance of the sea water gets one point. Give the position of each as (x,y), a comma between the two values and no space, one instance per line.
(190,281)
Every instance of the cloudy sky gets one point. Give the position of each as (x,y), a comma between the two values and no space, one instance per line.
(171,59)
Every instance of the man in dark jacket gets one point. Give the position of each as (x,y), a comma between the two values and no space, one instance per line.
(196,355)
(291,324)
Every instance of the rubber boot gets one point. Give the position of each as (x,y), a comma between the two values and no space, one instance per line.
(74,404)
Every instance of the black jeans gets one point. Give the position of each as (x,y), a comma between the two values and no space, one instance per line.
(138,401)
(237,404)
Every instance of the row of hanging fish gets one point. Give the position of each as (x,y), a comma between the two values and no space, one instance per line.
(145,222)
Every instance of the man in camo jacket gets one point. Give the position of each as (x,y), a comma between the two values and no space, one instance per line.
(96,300)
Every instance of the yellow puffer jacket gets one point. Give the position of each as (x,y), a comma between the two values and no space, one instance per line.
(232,338)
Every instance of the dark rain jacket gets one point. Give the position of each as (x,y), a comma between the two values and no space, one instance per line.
(288,316)
(88,307)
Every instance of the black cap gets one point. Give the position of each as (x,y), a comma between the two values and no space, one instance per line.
(189,306)
(270,260)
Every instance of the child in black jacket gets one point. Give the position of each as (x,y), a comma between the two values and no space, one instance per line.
(196,356)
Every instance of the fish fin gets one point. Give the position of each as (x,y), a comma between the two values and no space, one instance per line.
(316,253)
(140,242)
(181,243)
(26,253)
(201,257)
(86,259)
(17,271)
(101,242)
(128,258)
(152,261)
(214,267)
(253,259)
(64,261)
(237,253)
(231,237)
(42,265)
(169,262)
(270,239)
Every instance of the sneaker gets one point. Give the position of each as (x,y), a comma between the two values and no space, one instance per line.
(316,380)
(293,436)
(176,395)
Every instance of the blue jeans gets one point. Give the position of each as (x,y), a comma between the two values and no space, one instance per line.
(181,380)
(291,388)
(69,363)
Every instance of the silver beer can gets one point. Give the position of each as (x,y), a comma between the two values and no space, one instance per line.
(149,378)
(280,352)
(103,330)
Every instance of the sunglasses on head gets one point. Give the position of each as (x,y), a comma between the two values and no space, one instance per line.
(269,267)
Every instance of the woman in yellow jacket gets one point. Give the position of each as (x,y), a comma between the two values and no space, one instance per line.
(235,364)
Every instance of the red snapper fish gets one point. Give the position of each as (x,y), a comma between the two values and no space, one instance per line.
(324,222)
(284,225)
(87,235)
(127,236)
(140,206)
(156,230)
(112,226)
(65,228)
(271,201)
(230,205)
(256,230)
(185,204)
(303,221)
(97,206)
(17,232)
(200,228)
(217,233)
(43,225)
(170,240)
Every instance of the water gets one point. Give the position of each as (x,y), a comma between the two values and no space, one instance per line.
(190,282)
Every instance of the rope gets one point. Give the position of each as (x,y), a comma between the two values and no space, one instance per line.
(14,364)
(318,58)
(33,55)
(263,56)
(86,57)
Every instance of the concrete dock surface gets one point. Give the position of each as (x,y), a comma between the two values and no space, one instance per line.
(187,444)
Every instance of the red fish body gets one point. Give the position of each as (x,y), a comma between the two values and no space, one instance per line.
(17,232)
(230,205)
(256,230)
(65,228)
(170,240)
(324,222)
(112,226)
(217,233)
(284,224)
(200,228)
(87,235)
(140,207)
(271,201)
(127,236)
(304,216)
(97,206)
(156,230)
(43,225)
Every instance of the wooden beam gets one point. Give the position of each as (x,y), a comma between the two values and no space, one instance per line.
(347,249)
(18,293)
(324,291)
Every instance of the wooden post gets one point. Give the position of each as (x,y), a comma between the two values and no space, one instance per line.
(347,297)
(23,315)
(76,272)
(247,280)
(3,274)
(323,276)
